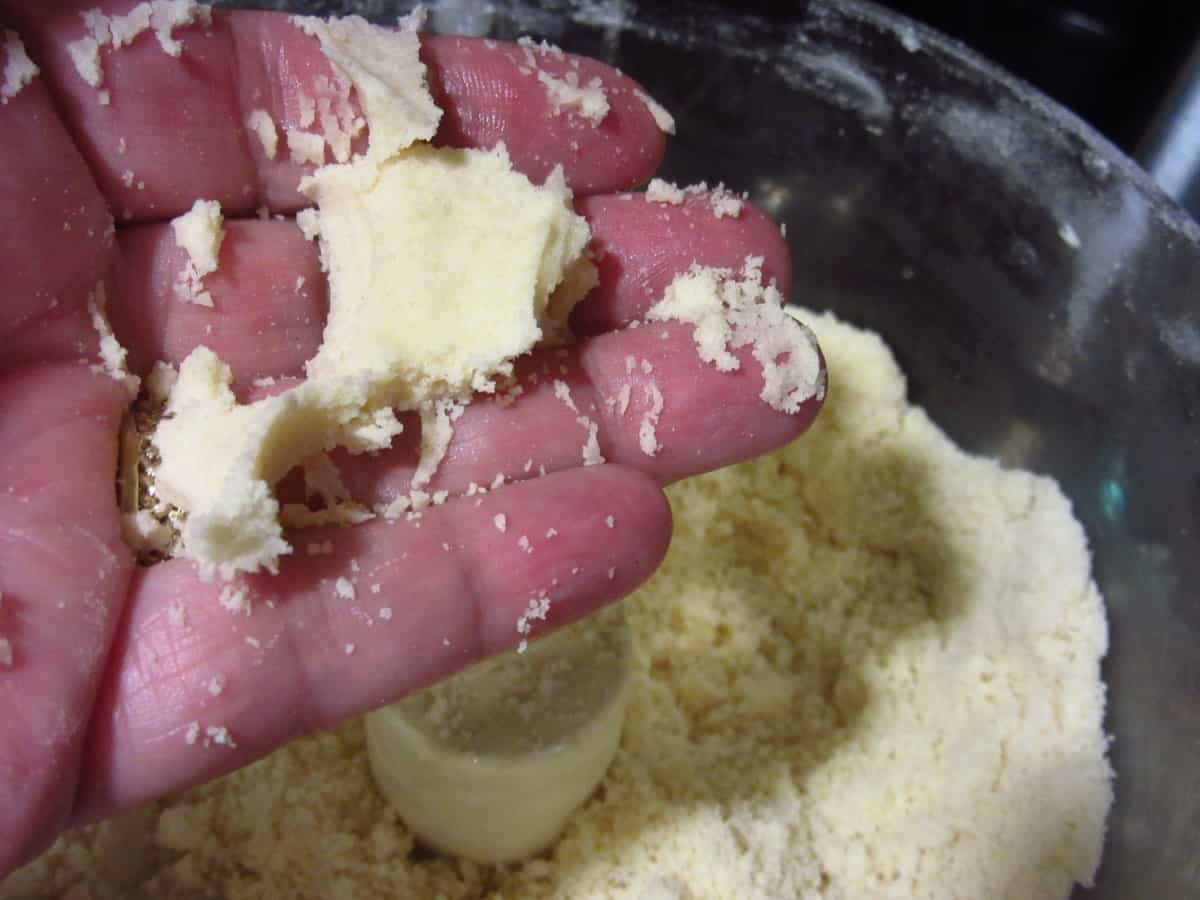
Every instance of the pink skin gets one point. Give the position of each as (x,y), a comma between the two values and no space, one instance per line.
(105,681)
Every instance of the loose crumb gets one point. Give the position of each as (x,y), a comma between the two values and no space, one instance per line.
(344,588)
(529,47)
(216,685)
(349,649)
(563,392)
(19,69)
(219,735)
(192,732)
(591,447)
(589,101)
(236,599)
(385,613)
(660,191)
(647,432)
(722,201)
(663,119)
(200,233)
(610,521)
(537,609)
(500,520)
(6,652)
(725,203)
(263,127)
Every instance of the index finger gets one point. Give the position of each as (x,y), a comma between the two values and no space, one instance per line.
(177,128)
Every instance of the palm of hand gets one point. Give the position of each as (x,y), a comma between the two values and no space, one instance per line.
(112,664)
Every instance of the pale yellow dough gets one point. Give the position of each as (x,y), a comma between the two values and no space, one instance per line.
(444,265)
(472,252)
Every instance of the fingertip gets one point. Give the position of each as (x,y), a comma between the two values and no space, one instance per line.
(654,510)
(493,92)
(642,246)
(708,418)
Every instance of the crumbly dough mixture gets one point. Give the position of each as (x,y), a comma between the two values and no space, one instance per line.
(868,668)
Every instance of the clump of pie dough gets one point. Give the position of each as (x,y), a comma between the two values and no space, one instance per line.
(444,265)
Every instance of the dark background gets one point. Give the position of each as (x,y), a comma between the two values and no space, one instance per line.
(1113,62)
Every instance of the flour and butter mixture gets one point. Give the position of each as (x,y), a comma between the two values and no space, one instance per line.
(868,668)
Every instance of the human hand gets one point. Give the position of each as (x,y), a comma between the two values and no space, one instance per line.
(112,664)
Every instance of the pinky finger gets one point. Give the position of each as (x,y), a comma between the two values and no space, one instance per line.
(198,688)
